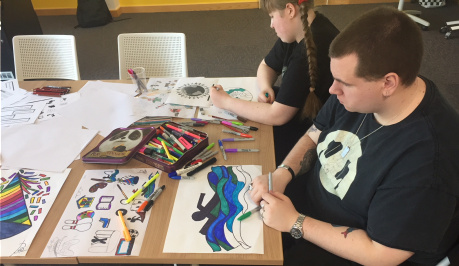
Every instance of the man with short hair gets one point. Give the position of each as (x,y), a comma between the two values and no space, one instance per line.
(375,180)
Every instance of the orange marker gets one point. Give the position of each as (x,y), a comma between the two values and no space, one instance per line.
(127,235)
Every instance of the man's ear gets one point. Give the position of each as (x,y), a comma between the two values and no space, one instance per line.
(391,83)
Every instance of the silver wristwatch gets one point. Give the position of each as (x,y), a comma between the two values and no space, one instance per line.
(297,228)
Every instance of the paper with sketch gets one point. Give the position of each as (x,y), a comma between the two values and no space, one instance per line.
(158,90)
(21,114)
(204,217)
(11,93)
(50,145)
(102,109)
(192,91)
(244,88)
(26,196)
(90,225)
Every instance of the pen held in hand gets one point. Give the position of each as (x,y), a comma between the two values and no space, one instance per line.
(270,181)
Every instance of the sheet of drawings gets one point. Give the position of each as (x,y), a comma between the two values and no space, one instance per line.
(204,218)
(20,114)
(244,88)
(159,90)
(192,91)
(26,196)
(90,225)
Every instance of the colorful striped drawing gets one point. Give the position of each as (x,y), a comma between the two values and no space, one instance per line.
(222,209)
(14,217)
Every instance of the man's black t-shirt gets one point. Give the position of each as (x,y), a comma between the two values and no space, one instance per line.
(399,183)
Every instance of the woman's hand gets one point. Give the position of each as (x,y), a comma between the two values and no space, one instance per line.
(219,96)
(266,96)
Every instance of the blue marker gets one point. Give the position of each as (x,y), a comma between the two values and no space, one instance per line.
(222,149)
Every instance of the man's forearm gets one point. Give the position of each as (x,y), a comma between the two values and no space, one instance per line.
(351,243)
(303,155)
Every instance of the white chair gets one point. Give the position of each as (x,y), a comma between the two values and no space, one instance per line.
(161,54)
(45,57)
(411,13)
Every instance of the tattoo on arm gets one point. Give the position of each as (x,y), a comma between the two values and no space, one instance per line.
(308,161)
(312,129)
(346,232)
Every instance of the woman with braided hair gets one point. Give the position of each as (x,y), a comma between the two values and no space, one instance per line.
(300,57)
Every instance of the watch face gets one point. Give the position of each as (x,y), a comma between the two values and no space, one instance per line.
(296,233)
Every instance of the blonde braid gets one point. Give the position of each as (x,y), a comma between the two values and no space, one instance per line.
(313,103)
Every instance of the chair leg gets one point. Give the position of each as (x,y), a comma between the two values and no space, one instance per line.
(411,13)
(424,24)
(449,28)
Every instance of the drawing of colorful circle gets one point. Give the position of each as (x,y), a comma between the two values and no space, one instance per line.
(239,93)
(193,91)
(85,214)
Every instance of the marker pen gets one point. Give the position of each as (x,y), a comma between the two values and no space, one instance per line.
(242,150)
(222,149)
(237,134)
(237,139)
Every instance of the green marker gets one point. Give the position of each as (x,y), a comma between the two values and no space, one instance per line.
(267,95)
(237,123)
(247,214)
(210,146)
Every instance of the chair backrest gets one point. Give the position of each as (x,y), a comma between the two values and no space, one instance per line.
(161,54)
(45,57)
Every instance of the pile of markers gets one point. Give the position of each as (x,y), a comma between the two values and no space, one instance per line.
(171,142)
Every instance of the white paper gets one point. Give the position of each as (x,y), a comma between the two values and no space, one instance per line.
(192,213)
(26,197)
(90,225)
(102,109)
(126,88)
(48,146)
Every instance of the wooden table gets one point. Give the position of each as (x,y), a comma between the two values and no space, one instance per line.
(153,242)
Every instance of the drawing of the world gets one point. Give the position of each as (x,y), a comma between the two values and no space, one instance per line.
(193,91)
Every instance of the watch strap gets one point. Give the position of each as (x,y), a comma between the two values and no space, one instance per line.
(297,231)
(288,168)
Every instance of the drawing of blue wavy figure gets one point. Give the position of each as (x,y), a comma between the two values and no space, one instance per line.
(223,208)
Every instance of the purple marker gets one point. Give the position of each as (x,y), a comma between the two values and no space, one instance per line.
(237,139)
(242,150)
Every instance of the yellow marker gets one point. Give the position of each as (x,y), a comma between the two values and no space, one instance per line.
(140,190)
(127,235)
(167,150)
